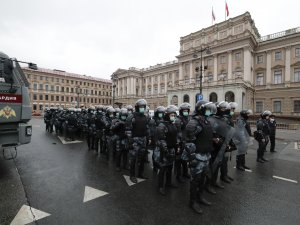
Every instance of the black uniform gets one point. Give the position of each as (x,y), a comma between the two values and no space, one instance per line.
(272,126)
(137,131)
(262,137)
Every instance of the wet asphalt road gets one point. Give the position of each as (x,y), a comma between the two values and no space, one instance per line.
(52,177)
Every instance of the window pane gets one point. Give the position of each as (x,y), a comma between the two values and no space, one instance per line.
(297,75)
(259,107)
(297,106)
(277,77)
(277,55)
(277,106)
(297,52)
(259,79)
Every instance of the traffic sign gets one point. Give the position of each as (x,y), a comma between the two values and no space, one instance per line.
(199,97)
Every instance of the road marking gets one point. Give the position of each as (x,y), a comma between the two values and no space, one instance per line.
(129,182)
(250,171)
(282,178)
(92,193)
(25,216)
(62,139)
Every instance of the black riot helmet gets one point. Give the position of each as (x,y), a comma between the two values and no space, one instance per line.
(205,108)
(265,114)
(117,112)
(245,113)
(123,114)
(171,109)
(159,112)
(141,103)
(110,111)
(129,109)
(90,110)
(184,106)
(222,108)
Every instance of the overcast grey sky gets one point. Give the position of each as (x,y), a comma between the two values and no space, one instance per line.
(96,37)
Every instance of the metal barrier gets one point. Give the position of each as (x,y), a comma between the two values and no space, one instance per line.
(282,126)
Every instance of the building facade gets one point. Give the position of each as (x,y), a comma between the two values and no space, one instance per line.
(259,73)
(56,88)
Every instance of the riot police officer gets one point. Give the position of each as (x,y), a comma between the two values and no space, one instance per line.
(272,126)
(198,148)
(262,135)
(167,144)
(181,167)
(107,136)
(243,131)
(118,127)
(137,131)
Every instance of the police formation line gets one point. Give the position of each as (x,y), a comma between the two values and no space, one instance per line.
(196,144)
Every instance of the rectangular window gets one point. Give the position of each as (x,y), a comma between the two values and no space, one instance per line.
(52,98)
(46,97)
(68,81)
(237,56)
(297,52)
(67,90)
(297,106)
(72,90)
(34,96)
(259,107)
(223,59)
(259,79)
(297,75)
(67,99)
(41,97)
(57,98)
(52,79)
(277,77)
(41,107)
(34,107)
(52,87)
(72,82)
(62,98)
(57,88)
(277,106)
(57,80)
(41,86)
(62,89)
(35,87)
(278,55)
(47,87)
(260,59)
(41,78)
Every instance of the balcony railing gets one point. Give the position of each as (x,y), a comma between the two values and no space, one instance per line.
(279,34)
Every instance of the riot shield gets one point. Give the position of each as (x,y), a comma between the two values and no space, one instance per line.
(222,129)
(241,137)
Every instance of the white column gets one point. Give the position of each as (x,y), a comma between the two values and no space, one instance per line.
(287,64)
(269,74)
(247,64)
(152,84)
(158,87)
(191,70)
(230,75)
(215,67)
(166,82)
(180,71)
(173,77)
(146,90)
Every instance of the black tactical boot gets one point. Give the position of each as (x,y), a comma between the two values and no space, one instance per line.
(195,206)
(162,191)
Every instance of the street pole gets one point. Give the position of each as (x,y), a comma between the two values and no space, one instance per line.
(201,75)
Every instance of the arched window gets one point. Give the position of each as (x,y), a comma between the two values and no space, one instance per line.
(229,96)
(186,98)
(213,97)
(174,100)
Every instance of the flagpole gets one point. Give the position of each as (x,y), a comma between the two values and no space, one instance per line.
(225,10)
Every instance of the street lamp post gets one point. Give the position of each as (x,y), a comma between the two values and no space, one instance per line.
(113,77)
(201,68)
